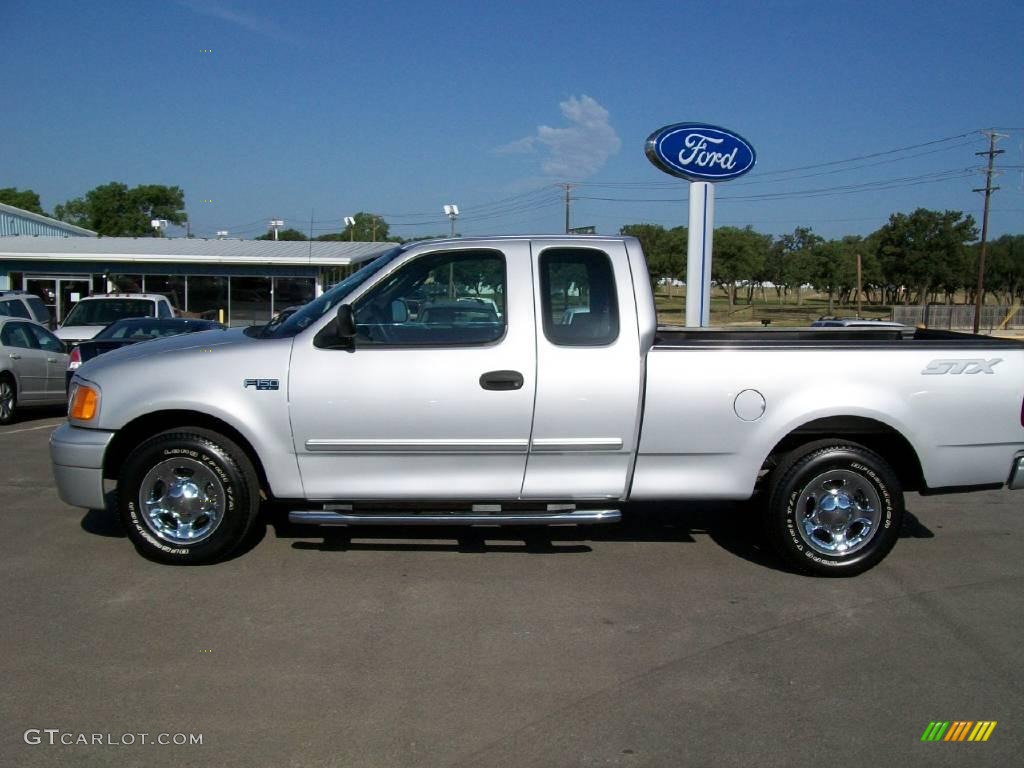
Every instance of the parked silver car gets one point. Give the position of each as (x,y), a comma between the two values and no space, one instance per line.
(32,365)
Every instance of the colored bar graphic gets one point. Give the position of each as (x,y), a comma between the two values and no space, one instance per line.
(935,730)
(958,730)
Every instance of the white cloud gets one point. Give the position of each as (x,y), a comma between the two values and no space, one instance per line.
(245,21)
(577,151)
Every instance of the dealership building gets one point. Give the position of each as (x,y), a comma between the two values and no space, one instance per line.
(241,281)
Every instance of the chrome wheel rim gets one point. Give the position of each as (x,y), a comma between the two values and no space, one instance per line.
(838,512)
(182,501)
(6,400)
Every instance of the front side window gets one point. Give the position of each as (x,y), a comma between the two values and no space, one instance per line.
(18,335)
(452,298)
(578,297)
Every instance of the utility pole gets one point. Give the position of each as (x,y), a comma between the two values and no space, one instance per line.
(988,189)
(567,201)
(859,285)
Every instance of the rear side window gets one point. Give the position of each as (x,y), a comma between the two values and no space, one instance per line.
(164,309)
(14,308)
(578,297)
(38,309)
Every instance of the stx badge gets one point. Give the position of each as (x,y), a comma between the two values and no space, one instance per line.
(939,367)
(263,384)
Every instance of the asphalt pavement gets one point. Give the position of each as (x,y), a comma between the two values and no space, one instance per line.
(672,639)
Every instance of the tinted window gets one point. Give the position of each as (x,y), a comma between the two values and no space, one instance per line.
(38,309)
(578,297)
(18,335)
(46,340)
(14,308)
(106,311)
(440,299)
(164,309)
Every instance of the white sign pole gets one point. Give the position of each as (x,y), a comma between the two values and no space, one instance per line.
(698,254)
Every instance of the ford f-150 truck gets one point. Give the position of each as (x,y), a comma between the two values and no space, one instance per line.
(442,384)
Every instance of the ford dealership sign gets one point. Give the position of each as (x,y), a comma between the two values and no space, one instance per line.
(700,152)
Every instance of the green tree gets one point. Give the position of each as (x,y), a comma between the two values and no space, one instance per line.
(1004,266)
(115,210)
(283,234)
(739,255)
(25,199)
(791,261)
(925,250)
(664,249)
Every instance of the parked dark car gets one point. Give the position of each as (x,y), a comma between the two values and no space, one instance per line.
(132,331)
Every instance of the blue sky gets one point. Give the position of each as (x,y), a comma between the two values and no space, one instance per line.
(329,108)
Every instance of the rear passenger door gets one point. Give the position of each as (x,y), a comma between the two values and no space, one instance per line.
(56,362)
(588,372)
(27,360)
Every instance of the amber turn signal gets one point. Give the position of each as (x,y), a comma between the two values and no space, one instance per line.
(84,403)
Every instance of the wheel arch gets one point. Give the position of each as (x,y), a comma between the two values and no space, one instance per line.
(881,438)
(134,432)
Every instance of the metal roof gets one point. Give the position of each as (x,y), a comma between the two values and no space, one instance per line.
(183,250)
(43,225)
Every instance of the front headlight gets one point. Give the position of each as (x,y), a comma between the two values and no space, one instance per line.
(84,403)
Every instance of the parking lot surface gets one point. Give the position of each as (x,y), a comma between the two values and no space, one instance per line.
(669,640)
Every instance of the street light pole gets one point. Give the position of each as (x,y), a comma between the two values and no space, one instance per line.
(452,212)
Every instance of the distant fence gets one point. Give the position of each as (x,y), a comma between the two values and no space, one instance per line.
(958,316)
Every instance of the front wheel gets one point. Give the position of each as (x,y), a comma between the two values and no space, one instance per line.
(8,400)
(187,496)
(834,508)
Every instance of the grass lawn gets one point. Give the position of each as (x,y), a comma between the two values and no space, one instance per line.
(672,309)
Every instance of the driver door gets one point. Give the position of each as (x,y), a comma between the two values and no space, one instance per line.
(435,402)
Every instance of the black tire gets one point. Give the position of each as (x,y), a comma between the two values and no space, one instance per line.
(8,399)
(219,465)
(850,473)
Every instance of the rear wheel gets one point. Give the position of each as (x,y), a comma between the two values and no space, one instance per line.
(187,496)
(8,399)
(834,508)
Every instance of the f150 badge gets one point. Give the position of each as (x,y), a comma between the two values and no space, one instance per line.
(263,383)
(939,367)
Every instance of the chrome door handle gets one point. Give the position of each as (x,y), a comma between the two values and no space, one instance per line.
(15,356)
(51,359)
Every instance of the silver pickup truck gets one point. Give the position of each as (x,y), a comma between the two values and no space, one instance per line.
(524,380)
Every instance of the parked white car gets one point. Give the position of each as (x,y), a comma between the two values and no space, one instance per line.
(94,313)
(24,305)
(32,365)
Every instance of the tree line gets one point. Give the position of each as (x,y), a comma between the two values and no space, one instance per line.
(922,257)
(919,257)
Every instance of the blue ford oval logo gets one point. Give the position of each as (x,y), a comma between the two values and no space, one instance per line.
(700,152)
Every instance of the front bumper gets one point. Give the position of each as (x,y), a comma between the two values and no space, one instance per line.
(1016,481)
(77,458)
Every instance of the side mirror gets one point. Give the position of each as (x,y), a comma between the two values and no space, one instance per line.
(346,322)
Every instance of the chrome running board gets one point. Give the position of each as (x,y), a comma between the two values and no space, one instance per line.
(583,516)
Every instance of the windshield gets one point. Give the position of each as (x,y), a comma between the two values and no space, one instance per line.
(107,311)
(307,314)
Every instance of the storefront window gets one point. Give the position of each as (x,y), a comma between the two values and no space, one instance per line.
(126,283)
(293,292)
(206,296)
(250,301)
(171,286)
